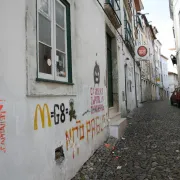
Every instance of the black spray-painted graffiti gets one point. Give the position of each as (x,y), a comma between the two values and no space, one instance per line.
(72,112)
(86,112)
(60,111)
(96,74)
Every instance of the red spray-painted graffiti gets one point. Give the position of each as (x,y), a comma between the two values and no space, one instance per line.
(2,126)
(93,128)
(97,100)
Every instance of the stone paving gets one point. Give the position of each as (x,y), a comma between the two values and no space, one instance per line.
(149,149)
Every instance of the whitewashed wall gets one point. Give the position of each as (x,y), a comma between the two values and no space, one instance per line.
(130,81)
(129,64)
(176,9)
(30,153)
(173,82)
(165,72)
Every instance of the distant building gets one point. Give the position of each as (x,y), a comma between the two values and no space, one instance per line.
(69,74)
(174,6)
(173,81)
(157,54)
(164,74)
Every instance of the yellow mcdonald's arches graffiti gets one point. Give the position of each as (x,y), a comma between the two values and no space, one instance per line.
(42,114)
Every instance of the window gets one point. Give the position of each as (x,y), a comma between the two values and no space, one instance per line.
(54,40)
(129,40)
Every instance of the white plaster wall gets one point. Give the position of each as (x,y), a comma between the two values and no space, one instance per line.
(147,66)
(165,72)
(30,153)
(138,84)
(121,67)
(173,83)
(157,93)
(131,99)
(176,9)
(172,78)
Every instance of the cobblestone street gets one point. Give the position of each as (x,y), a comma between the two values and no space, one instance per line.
(149,149)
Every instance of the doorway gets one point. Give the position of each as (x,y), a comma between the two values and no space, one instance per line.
(110,71)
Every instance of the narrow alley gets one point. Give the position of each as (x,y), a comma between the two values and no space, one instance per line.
(149,149)
(86,88)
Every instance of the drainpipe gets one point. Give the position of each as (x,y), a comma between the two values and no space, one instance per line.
(155,78)
(162,81)
(150,79)
(141,84)
(125,67)
(135,83)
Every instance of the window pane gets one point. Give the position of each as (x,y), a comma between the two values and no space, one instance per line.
(60,64)
(59,14)
(45,62)
(44,30)
(44,6)
(60,39)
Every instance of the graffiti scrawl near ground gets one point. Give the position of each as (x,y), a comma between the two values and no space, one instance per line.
(85,112)
(96,74)
(97,100)
(59,114)
(72,112)
(2,126)
(84,132)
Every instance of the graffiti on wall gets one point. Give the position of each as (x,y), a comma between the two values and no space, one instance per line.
(2,126)
(96,74)
(72,112)
(59,114)
(97,100)
(84,132)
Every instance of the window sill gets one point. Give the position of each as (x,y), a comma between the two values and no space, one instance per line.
(53,81)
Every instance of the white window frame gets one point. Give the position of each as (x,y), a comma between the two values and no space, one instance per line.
(52,16)
(65,53)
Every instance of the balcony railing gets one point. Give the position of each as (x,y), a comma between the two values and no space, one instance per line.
(128,6)
(112,9)
(129,40)
(139,21)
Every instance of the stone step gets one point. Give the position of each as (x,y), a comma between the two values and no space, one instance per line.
(112,111)
(117,127)
(115,116)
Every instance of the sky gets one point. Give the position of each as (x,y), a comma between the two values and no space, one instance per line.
(160,16)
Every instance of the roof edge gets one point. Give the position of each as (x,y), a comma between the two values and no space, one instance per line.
(164,57)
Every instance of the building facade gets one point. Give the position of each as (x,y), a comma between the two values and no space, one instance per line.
(165,81)
(173,82)
(77,76)
(157,54)
(148,66)
(174,6)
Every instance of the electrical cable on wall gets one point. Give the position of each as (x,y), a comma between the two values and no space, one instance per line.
(122,40)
